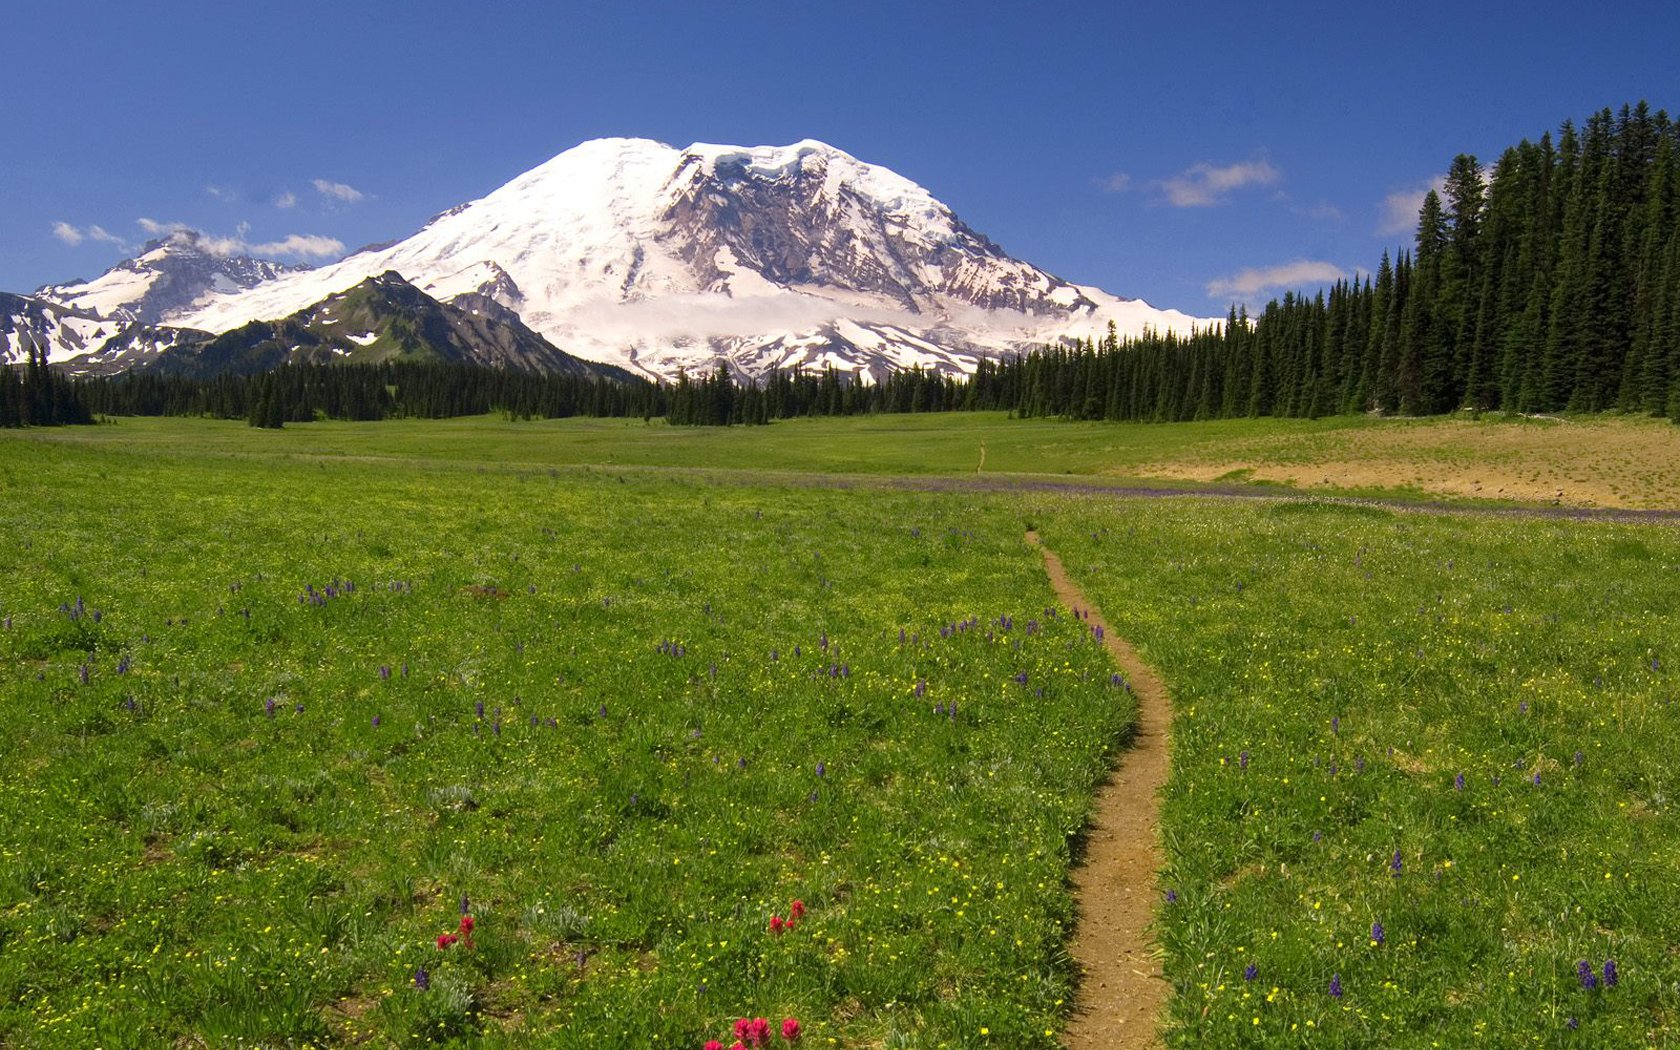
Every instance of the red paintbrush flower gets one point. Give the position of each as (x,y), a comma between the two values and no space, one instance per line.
(790,1029)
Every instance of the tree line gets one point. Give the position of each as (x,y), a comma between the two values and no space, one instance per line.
(296,393)
(36,396)
(1549,283)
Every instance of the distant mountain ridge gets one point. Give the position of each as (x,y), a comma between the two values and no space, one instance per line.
(660,260)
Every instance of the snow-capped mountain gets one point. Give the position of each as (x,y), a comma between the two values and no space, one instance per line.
(636,253)
(171,276)
(28,323)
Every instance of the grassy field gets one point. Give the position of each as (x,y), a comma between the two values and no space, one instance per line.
(1429,759)
(278,706)
(1606,461)
(270,727)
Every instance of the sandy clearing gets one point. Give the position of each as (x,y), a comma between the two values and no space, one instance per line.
(1630,463)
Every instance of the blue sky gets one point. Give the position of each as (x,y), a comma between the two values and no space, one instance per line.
(1190,154)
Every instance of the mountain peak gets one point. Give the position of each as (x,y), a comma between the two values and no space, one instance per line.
(634,252)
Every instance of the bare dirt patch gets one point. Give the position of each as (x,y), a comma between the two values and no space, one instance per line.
(1601,462)
(1121,991)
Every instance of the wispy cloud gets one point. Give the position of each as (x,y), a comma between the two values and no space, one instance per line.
(286,200)
(1251,282)
(1119,182)
(1399,210)
(1204,185)
(157,229)
(291,246)
(221,193)
(338,191)
(73,236)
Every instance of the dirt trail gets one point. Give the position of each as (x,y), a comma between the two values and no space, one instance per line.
(1122,990)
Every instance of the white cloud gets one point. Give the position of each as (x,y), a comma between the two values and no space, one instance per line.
(294,246)
(72,236)
(1202,185)
(286,200)
(155,228)
(1399,210)
(1253,281)
(338,191)
(221,193)
(1119,182)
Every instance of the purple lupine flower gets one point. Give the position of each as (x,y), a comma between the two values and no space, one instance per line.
(1458,782)
(1579,758)
(1396,865)
(1572,1024)
(1537,778)
(822,769)
(1336,724)
(1250,972)
(384,673)
(741,763)
(466,905)
(953,710)
(1522,708)
(405,669)
(479,708)
(376,721)
(268,707)
(123,664)
(422,979)
(1378,935)
(1584,974)
(1172,896)
(1242,760)
(1318,836)
(939,708)
(299,709)
(1097,631)
(83,674)
(602,711)
(1021,677)
(921,689)
(1612,976)
(1335,986)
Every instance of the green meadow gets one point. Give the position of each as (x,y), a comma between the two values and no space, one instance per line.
(277,709)
(1430,758)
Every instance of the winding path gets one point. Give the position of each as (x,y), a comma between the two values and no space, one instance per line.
(1121,992)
